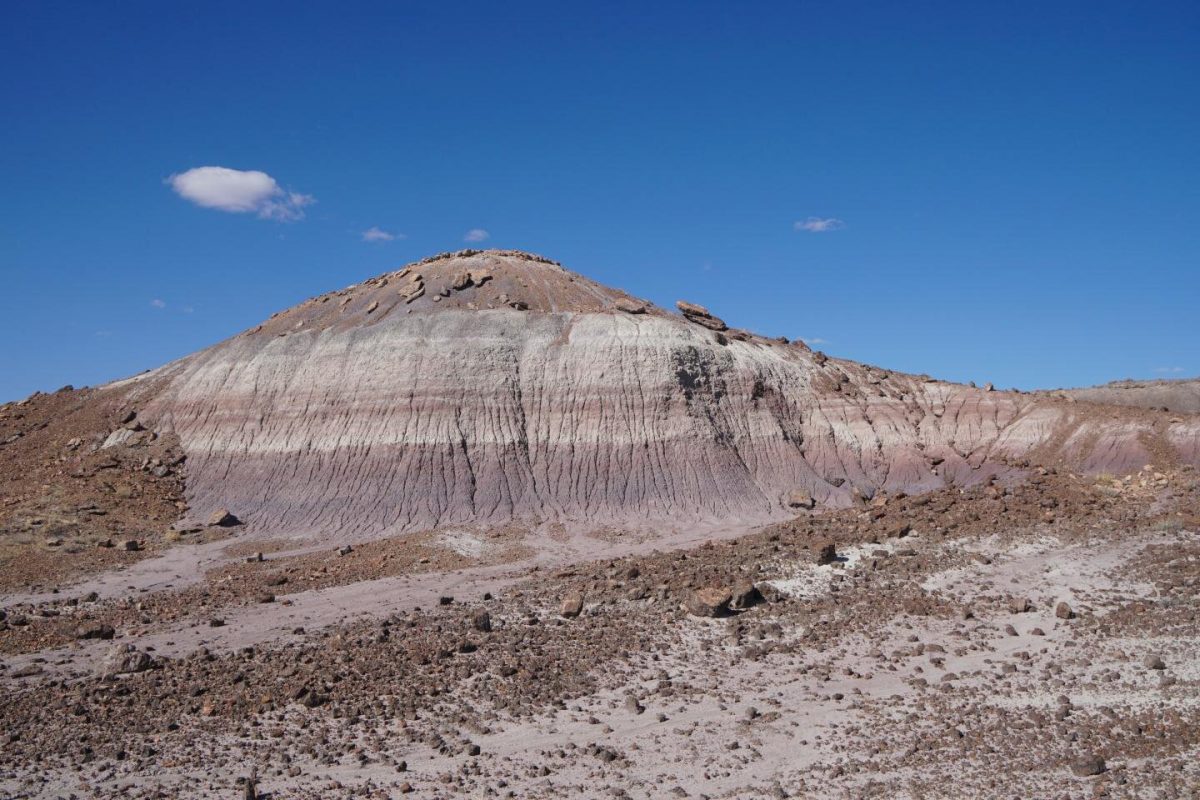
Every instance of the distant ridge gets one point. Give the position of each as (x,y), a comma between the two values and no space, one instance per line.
(1178,395)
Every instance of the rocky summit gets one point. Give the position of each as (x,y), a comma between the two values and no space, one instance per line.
(483,527)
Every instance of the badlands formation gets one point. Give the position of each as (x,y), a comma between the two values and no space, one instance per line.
(498,387)
(482,527)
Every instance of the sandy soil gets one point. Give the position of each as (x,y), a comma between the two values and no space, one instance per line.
(930,658)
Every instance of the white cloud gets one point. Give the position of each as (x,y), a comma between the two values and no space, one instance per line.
(240,192)
(814,340)
(1168,369)
(819,225)
(476,235)
(156,303)
(377,234)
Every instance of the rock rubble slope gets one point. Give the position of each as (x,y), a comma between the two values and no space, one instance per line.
(486,387)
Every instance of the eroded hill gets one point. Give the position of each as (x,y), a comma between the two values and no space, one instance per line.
(495,387)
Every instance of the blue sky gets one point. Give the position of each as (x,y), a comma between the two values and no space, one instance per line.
(1009,191)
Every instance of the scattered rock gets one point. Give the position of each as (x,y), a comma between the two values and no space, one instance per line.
(826,553)
(711,601)
(1089,765)
(1153,661)
(313,699)
(413,290)
(1063,611)
(95,631)
(745,595)
(572,605)
(1020,605)
(799,498)
(124,659)
(606,754)
(222,518)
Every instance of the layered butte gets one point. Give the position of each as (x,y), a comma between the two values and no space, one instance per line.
(496,387)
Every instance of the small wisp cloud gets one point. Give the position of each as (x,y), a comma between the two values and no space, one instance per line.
(240,192)
(819,224)
(377,234)
(476,235)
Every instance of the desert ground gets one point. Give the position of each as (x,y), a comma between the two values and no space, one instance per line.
(1039,639)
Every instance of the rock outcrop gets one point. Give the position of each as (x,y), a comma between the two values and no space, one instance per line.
(700,315)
